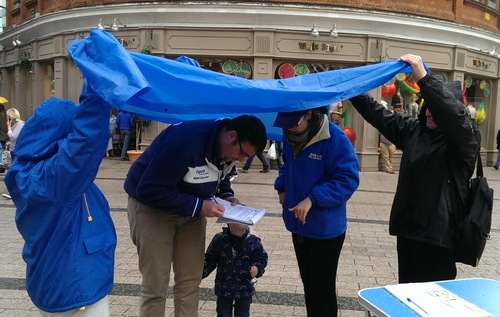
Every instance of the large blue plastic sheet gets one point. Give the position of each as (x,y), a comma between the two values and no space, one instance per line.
(168,91)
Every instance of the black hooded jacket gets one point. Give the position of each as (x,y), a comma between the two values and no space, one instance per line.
(436,165)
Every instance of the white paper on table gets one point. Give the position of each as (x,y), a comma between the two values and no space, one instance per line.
(239,213)
(432,300)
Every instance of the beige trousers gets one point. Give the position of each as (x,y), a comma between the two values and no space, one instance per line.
(387,152)
(166,240)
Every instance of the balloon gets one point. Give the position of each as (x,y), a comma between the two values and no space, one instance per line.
(480,115)
(349,132)
(388,90)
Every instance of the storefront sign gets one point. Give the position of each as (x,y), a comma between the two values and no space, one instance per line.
(327,47)
(480,63)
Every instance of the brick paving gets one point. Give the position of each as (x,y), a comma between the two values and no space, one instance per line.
(368,257)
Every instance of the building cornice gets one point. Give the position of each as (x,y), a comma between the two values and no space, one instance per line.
(282,18)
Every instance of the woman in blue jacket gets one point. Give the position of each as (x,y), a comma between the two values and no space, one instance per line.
(318,176)
(64,219)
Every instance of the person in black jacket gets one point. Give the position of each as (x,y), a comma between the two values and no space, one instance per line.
(439,153)
(498,148)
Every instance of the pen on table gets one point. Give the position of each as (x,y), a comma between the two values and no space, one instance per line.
(410,301)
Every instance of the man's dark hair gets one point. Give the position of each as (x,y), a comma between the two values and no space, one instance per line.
(249,129)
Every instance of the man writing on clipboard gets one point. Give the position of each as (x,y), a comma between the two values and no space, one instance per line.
(170,188)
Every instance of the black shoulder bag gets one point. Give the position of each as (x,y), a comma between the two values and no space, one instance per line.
(474,230)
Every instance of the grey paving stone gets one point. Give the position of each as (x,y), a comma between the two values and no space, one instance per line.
(368,258)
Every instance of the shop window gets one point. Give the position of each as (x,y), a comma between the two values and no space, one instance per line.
(477,94)
(292,69)
(233,67)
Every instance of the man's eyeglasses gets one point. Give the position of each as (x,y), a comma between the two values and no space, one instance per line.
(297,124)
(243,154)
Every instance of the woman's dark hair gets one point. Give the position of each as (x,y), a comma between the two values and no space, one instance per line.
(249,129)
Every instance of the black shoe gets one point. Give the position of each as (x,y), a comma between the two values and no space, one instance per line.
(495,167)
(243,170)
(265,171)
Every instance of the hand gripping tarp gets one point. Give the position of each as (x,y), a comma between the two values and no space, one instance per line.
(168,91)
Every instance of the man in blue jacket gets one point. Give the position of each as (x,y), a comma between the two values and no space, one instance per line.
(64,219)
(124,123)
(170,187)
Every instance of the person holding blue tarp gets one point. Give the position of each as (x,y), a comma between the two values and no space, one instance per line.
(319,174)
(63,217)
(440,149)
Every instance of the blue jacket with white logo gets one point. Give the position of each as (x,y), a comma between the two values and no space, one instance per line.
(326,170)
(181,168)
(69,247)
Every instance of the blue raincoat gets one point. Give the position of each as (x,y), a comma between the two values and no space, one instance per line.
(69,247)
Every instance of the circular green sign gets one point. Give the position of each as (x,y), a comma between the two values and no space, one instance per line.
(301,69)
(229,66)
(243,70)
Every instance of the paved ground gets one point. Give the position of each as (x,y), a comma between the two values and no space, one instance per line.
(368,257)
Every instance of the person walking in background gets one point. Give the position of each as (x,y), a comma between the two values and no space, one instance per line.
(272,153)
(14,127)
(387,149)
(318,176)
(3,133)
(3,126)
(265,164)
(497,164)
(112,129)
(439,154)
(171,188)
(239,258)
(336,112)
(411,108)
(472,112)
(124,123)
(63,217)
(397,103)
(279,153)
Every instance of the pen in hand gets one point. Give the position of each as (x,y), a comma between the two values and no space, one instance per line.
(214,199)
(419,307)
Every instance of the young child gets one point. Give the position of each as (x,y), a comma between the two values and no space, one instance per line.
(239,257)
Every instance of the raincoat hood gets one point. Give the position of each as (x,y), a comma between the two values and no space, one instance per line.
(51,122)
(455,87)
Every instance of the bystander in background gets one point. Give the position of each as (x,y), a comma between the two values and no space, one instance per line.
(336,112)
(387,149)
(497,164)
(124,123)
(14,127)
(265,164)
(112,131)
(411,108)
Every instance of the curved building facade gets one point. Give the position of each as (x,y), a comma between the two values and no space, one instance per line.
(458,39)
